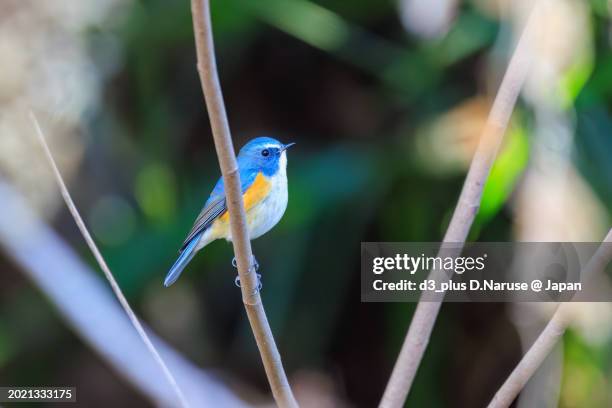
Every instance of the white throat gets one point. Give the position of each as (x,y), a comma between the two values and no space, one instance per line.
(282,165)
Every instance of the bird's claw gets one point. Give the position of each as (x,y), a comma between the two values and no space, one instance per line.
(259,284)
(254,265)
(254,268)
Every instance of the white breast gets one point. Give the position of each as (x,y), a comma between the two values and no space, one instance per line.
(265,215)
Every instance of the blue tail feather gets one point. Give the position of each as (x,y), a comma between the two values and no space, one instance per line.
(182,261)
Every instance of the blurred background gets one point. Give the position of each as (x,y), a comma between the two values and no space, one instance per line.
(386,101)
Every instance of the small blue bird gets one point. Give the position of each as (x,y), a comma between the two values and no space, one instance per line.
(262,164)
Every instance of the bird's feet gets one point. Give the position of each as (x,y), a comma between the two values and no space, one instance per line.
(254,265)
(254,268)
(259,284)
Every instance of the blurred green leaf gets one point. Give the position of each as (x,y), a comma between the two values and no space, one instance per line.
(508,167)
(155,190)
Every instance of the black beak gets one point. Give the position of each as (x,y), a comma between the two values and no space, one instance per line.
(285,147)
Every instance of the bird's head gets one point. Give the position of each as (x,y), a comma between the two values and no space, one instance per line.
(265,154)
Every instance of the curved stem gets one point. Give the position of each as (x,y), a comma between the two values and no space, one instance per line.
(83,302)
(547,340)
(107,272)
(467,207)
(207,69)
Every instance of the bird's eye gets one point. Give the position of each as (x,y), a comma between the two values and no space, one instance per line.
(265,152)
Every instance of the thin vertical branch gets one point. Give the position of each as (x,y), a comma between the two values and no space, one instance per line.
(549,337)
(207,68)
(107,272)
(467,207)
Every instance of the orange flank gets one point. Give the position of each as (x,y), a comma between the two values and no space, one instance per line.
(253,195)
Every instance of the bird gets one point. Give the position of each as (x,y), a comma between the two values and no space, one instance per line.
(262,165)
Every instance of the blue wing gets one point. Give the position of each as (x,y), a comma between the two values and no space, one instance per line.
(186,255)
(213,209)
(215,206)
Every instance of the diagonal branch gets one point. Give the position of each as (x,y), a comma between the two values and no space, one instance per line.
(107,272)
(426,312)
(84,302)
(553,331)
(207,68)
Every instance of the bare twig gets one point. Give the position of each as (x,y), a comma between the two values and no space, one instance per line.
(83,301)
(107,273)
(207,68)
(553,331)
(426,312)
